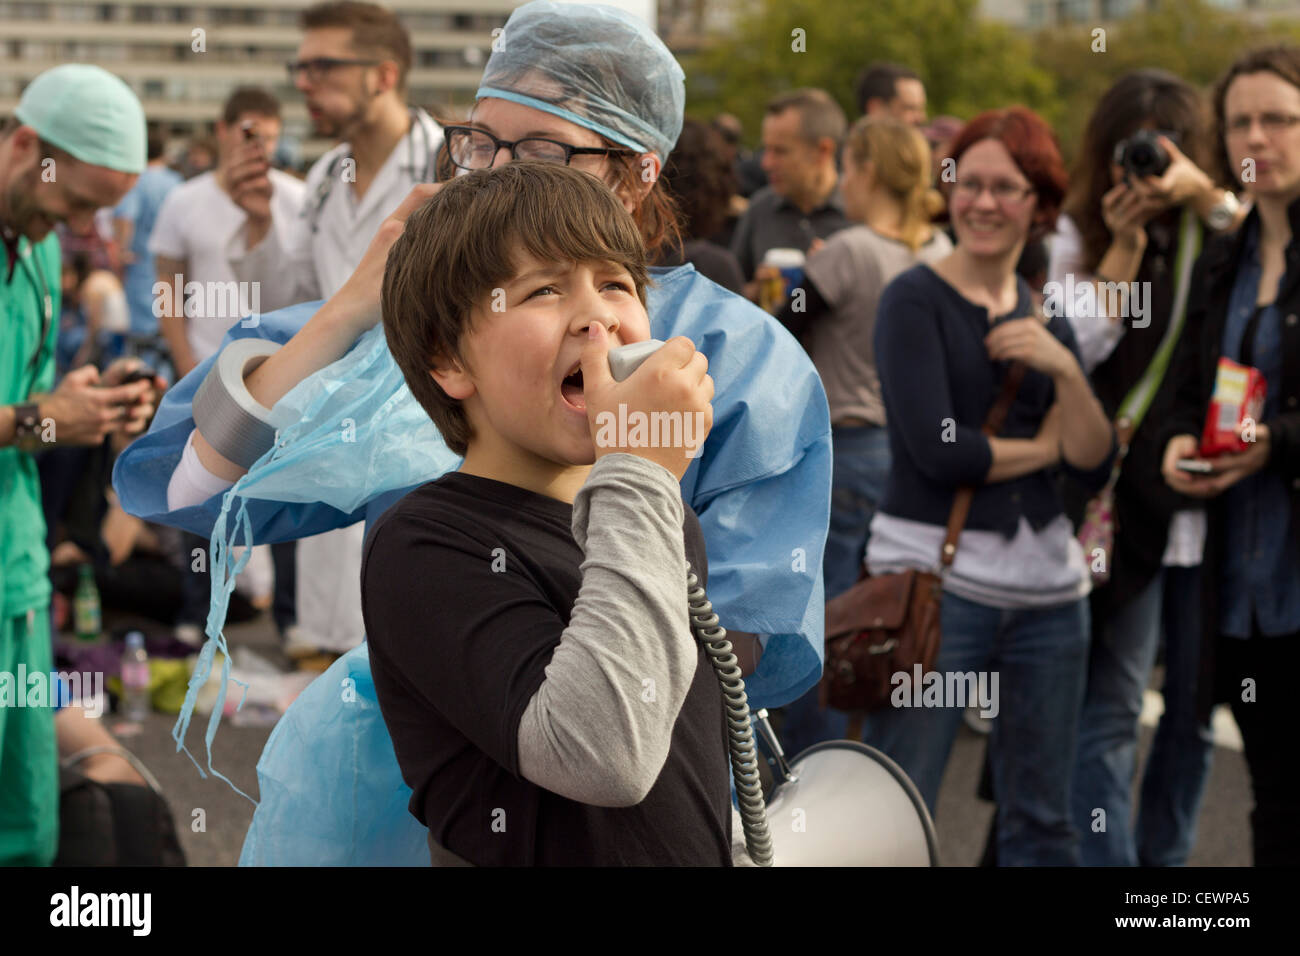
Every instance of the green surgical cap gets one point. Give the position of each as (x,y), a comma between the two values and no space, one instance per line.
(89,113)
(593,65)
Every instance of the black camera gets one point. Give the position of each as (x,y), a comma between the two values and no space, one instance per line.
(1141,155)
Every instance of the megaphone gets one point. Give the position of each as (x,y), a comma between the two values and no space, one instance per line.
(846,804)
(841,803)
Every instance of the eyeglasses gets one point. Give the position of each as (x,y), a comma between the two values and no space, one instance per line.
(471,148)
(1271,123)
(318,67)
(1005,193)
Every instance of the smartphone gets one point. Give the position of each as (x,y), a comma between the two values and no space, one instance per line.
(250,133)
(143,372)
(1194,466)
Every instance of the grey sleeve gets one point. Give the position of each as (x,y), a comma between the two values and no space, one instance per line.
(599,727)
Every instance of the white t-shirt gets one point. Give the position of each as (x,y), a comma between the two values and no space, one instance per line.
(194,225)
(1040,568)
(1095,334)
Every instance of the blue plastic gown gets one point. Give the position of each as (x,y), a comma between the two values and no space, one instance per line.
(761,488)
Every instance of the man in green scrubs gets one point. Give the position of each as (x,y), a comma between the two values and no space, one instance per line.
(75,143)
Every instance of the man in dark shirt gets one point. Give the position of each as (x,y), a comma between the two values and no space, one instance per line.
(527,615)
(802,132)
(889,89)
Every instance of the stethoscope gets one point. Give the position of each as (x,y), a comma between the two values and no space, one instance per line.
(426,171)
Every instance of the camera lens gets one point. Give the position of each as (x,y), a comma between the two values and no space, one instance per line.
(1142,156)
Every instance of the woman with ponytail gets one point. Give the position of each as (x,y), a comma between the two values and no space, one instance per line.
(885,182)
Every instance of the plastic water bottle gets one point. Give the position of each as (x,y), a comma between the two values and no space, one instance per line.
(135,679)
(85,605)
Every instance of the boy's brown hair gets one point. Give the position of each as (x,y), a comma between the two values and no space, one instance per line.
(462,244)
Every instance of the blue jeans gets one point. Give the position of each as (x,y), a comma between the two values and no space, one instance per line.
(1040,657)
(860,468)
(1119,667)
(1179,762)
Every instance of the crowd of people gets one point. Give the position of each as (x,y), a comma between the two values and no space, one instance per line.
(940,260)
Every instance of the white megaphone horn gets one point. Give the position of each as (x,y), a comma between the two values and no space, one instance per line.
(842,803)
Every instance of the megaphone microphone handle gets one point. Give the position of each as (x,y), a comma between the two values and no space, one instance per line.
(740,732)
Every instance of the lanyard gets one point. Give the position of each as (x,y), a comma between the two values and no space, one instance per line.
(1138,400)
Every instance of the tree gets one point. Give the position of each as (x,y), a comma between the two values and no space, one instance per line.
(968,64)
(1189,38)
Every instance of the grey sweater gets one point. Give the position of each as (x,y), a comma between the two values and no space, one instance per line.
(594,732)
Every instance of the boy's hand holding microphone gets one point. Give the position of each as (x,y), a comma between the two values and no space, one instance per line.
(674,379)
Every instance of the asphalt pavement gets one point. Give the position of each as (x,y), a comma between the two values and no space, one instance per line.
(211,818)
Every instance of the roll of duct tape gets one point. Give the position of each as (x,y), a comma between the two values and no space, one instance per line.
(234,423)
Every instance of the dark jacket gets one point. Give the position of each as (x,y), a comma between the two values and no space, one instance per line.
(1193,372)
(1144,503)
(938,384)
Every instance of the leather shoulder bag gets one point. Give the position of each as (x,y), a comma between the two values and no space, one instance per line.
(890,622)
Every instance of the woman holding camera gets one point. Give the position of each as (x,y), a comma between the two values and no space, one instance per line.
(1014,605)
(1245,307)
(1133,224)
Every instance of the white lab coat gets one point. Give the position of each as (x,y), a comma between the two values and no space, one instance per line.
(296,263)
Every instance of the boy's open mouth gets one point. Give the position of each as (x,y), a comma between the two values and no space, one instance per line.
(571,390)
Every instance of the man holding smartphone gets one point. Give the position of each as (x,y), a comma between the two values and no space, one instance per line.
(189,239)
(76,143)
(196,221)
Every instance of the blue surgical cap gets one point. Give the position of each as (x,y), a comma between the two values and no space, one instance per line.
(593,65)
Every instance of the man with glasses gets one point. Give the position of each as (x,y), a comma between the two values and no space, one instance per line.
(352,68)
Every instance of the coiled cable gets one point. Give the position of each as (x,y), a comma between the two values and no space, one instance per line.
(740,733)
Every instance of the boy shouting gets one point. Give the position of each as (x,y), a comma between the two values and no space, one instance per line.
(527,614)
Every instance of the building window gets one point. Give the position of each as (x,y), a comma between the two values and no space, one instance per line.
(24,11)
(73,12)
(1075,11)
(427,21)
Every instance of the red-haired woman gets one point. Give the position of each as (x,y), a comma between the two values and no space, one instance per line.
(1015,614)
